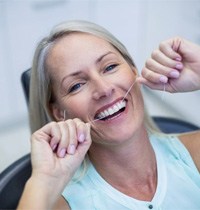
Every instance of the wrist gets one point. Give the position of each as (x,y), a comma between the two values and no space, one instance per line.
(48,182)
(40,192)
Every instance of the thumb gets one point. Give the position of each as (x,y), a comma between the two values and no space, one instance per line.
(155,86)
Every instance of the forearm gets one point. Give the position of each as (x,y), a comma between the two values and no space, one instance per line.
(52,170)
(39,194)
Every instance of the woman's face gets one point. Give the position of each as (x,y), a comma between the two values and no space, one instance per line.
(90,80)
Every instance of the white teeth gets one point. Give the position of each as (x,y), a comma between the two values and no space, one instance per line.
(111,110)
(118,105)
(115,108)
(106,113)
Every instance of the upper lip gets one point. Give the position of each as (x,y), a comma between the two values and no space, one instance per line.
(107,106)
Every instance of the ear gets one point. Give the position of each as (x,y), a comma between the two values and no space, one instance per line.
(57,112)
(135,71)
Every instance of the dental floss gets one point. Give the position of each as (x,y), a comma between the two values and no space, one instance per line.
(128,90)
(122,100)
(163,93)
(64,117)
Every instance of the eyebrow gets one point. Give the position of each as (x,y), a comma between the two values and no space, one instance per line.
(104,55)
(80,72)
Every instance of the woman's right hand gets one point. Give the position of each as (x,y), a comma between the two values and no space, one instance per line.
(58,149)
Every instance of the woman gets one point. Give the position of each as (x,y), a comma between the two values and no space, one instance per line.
(84,80)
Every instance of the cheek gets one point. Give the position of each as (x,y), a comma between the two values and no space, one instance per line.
(128,79)
(138,102)
(76,108)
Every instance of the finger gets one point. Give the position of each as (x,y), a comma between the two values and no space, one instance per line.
(164,60)
(153,77)
(152,66)
(81,130)
(170,48)
(155,86)
(72,141)
(50,133)
(88,133)
(64,139)
(156,67)
(84,146)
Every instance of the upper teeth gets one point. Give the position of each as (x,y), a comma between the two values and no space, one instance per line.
(111,110)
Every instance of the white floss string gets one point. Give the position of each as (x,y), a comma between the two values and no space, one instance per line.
(122,100)
(163,93)
(64,116)
(128,90)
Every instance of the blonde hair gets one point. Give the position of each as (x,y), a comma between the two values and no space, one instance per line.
(40,84)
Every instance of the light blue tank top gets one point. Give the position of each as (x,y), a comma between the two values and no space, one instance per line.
(178,184)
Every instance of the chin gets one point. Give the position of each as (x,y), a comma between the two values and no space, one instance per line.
(115,136)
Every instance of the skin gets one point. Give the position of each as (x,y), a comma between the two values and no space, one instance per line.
(103,78)
(176,64)
(100,88)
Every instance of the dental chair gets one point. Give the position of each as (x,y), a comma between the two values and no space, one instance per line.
(13,178)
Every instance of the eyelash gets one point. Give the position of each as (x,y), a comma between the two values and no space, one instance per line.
(75,88)
(111,66)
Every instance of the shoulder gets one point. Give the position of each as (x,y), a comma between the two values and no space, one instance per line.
(183,147)
(192,142)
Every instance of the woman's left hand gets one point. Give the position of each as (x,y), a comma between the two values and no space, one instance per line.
(174,66)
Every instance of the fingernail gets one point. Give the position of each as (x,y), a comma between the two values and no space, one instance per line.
(71,149)
(178,59)
(174,74)
(179,66)
(62,153)
(81,138)
(54,147)
(163,79)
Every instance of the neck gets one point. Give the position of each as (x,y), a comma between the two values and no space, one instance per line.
(130,168)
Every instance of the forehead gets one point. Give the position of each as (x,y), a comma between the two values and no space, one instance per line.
(80,39)
(75,52)
(78,44)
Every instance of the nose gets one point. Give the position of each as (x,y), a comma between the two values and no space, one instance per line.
(102,89)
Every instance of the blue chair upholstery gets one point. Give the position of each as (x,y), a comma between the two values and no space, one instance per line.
(172,125)
(12,181)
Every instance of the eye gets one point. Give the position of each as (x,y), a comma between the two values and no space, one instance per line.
(111,67)
(75,87)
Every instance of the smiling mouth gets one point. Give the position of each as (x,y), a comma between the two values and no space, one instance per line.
(112,111)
